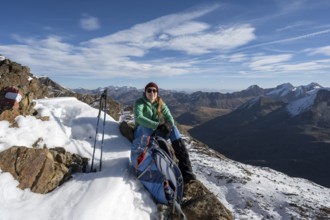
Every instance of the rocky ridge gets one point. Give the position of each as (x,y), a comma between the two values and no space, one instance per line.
(13,74)
(39,168)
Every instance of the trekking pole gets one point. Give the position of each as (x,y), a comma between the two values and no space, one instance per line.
(104,96)
(97,128)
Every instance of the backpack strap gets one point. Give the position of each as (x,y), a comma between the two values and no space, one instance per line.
(145,170)
(178,208)
(142,156)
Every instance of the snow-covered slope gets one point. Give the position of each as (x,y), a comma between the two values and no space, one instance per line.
(249,192)
(300,105)
(252,192)
(112,193)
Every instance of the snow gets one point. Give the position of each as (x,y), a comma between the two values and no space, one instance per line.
(301,105)
(252,192)
(114,193)
(281,90)
(300,91)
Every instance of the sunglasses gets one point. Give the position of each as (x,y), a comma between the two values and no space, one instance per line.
(151,90)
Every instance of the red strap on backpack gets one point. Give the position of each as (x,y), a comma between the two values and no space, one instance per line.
(142,156)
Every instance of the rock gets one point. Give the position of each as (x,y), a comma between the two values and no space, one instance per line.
(200,203)
(13,74)
(40,169)
(24,107)
(127,130)
(27,104)
(9,115)
(14,102)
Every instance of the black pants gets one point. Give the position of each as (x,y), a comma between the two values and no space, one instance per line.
(181,153)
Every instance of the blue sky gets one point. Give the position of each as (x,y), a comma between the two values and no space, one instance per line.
(221,45)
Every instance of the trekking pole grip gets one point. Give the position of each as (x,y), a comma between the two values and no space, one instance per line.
(104,94)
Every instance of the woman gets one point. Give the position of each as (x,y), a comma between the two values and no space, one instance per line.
(152,115)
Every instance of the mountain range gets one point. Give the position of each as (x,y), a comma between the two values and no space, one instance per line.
(287,129)
(192,109)
(189,109)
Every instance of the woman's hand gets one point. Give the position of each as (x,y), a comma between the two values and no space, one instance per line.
(165,128)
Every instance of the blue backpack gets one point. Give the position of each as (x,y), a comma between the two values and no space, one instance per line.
(155,168)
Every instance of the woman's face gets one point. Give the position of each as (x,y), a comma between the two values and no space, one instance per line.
(151,94)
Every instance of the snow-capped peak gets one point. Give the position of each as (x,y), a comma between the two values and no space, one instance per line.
(297,107)
(281,90)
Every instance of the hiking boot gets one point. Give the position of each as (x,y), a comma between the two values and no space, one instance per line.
(182,155)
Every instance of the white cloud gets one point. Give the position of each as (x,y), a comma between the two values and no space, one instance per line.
(307,66)
(187,28)
(144,32)
(295,25)
(51,56)
(113,56)
(89,23)
(219,40)
(287,40)
(269,63)
(238,57)
(320,50)
(180,32)
(278,64)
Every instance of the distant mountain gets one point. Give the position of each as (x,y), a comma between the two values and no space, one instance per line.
(288,93)
(188,108)
(288,129)
(195,108)
(54,89)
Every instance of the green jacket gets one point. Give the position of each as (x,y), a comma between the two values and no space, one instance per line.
(145,113)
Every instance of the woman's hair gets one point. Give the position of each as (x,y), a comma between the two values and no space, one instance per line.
(160,106)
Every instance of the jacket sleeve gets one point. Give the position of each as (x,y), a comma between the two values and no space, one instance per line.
(141,119)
